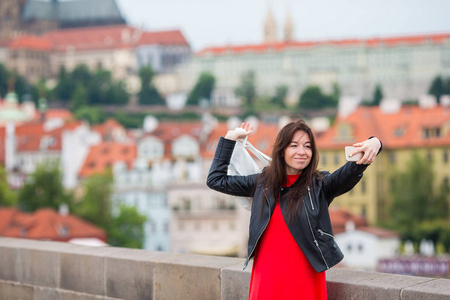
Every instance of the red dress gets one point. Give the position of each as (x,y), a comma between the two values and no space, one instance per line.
(280,269)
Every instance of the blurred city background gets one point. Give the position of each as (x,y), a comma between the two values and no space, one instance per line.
(110,112)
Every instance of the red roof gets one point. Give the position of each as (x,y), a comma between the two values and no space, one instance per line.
(104,155)
(168,37)
(340,217)
(372,42)
(399,130)
(109,129)
(99,38)
(30,136)
(31,42)
(46,224)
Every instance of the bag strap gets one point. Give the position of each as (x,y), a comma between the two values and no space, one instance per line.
(261,156)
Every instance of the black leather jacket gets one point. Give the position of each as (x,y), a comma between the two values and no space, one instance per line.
(312,229)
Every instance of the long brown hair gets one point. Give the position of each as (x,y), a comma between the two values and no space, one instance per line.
(274,176)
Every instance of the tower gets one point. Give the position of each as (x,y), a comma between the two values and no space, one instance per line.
(288,28)
(270,28)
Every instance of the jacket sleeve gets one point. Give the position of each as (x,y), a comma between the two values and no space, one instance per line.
(344,179)
(219,180)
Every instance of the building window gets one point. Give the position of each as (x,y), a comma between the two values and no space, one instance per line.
(445,157)
(363,187)
(364,211)
(360,248)
(430,157)
(446,183)
(349,247)
(392,158)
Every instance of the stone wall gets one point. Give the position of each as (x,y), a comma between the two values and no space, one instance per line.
(38,270)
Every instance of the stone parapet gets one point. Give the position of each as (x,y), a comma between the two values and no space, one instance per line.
(38,270)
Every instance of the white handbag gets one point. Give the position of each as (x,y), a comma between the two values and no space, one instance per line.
(242,163)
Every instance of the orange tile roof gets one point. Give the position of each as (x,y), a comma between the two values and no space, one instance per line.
(29,136)
(168,37)
(46,224)
(340,217)
(168,131)
(282,46)
(106,128)
(31,42)
(400,130)
(104,155)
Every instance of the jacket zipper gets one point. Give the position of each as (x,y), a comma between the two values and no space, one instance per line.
(325,233)
(315,241)
(310,199)
(257,240)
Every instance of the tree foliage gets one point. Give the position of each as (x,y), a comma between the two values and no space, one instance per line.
(418,210)
(279,98)
(438,87)
(202,90)
(44,189)
(247,89)
(313,98)
(148,93)
(95,206)
(127,229)
(7,196)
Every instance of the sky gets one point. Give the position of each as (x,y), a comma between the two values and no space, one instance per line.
(235,22)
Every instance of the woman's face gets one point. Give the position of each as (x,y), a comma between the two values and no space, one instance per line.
(298,154)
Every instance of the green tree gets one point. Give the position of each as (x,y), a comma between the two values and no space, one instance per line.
(202,89)
(92,114)
(4,77)
(65,86)
(95,205)
(44,189)
(127,229)
(81,75)
(279,98)
(247,89)
(377,96)
(148,93)
(414,199)
(313,98)
(437,88)
(79,98)
(7,197)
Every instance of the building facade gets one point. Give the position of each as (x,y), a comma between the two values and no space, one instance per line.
(404,66)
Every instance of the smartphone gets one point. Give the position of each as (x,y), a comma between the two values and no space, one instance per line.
(349,150)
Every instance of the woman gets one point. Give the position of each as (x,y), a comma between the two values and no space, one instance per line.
(290,235)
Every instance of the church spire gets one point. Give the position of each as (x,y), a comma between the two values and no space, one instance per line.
(288,28)
(270,27)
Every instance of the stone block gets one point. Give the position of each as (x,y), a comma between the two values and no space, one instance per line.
(236,282)
(129,273)
(14,291)
(436,289)
(352,284)
(79,296)
(38,267)
(8,262)
(41,293)
(82,269)
(190,277)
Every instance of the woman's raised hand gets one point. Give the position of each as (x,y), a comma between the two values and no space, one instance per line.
(369,148)
(239,132)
